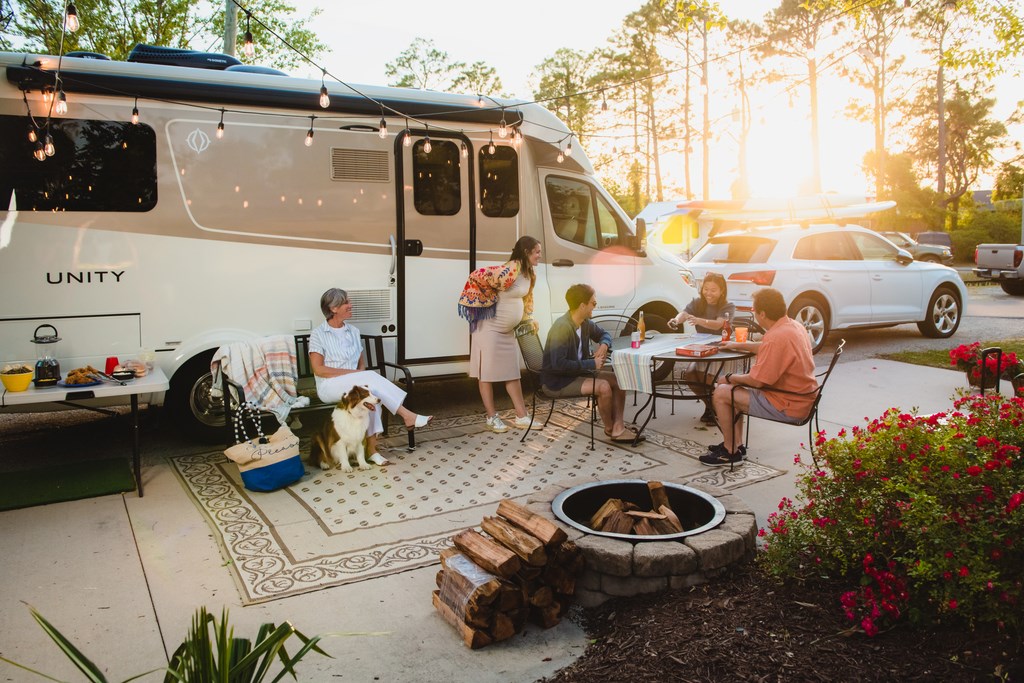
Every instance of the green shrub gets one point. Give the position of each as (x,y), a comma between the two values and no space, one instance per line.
(998,227)
(924,515)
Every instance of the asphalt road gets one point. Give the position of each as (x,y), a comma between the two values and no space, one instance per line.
(991,315)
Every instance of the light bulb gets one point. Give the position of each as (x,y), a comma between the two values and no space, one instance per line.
(325,100)
(491,149)
(561,157)
(383,129)
(71,18)
(249,48)
(62,103)
(33,136)
(48,147)
(604,102)
(427,146)
(47,95)
(220,130)
(465,150)
(309,138)
(502,129)
(568,149)
(39,153)
(407,141)
(135,115)
(517,137)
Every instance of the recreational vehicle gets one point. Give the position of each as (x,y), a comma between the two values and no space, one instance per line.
(175,209)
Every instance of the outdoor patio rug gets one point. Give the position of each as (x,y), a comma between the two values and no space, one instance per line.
(65,481)
(333,528)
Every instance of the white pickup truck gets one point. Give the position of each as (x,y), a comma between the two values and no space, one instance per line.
(1002,263)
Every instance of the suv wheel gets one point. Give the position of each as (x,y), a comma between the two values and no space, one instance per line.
(810,313)
(943,314)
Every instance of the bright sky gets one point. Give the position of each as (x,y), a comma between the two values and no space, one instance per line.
(519,38)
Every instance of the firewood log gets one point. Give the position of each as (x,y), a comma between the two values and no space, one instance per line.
(643,527)
(659,496)
(671,518)
(600,518)
(486,553)
(523,544)
(547,616)
(560,579)
(519,617)
(542,597)
(510,597)
(663,526)
(469,580)
(544,530)
(470,611)
(618,523)
(528,573)
(503,627)
(640,514)
(473,638)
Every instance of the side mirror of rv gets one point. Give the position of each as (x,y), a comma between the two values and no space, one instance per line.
(641,237)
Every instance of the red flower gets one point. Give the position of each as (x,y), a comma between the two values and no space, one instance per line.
(974,470)
(1015,501)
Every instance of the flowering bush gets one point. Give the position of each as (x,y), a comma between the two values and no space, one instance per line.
(967,357)
(924,513)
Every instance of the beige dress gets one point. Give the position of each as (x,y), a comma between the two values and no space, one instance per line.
(493,353)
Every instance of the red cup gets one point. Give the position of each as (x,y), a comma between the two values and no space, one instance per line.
(111,364)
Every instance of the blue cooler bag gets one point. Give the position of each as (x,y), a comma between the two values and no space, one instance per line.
(266,463)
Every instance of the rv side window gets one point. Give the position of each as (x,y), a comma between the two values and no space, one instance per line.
(97,166)
(436,180)
(572,210)
(499,182)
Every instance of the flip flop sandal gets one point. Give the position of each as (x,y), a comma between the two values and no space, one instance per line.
(378,459)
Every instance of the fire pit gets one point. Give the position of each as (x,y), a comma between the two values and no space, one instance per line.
(719,531)
(697,511)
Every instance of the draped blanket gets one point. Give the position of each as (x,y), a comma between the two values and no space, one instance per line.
(480,295)
(266,369)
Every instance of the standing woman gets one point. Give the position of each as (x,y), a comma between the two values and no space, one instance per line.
(494,301)
(707,313)
(338,362)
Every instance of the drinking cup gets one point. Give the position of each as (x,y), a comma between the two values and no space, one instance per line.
(112,363)
(741,334)
(634,340)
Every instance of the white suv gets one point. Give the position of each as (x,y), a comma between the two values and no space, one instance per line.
(834,277)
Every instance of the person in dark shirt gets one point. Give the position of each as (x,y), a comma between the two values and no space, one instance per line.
(570,369)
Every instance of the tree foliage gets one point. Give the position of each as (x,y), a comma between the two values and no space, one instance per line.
(564,86)
(423,65)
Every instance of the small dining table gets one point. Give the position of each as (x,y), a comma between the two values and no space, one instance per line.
(84,398)
(636,369)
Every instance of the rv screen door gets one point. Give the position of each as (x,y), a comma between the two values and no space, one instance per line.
(433,236)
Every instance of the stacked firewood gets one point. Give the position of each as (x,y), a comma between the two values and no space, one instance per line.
(617,516)
(523,569)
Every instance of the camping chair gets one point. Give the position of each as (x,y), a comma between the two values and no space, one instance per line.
(533,355)
(812,415)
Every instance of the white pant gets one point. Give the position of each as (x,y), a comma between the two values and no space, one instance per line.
(333,388)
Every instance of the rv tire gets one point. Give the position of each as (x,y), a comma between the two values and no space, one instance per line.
(189,401)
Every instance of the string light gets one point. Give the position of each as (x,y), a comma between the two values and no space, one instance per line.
(325,100)
(561,157)
(309,135)
(465,150)
(490,145)
(407,140)
(426,142)
(517,137)
(62,103)
(604,102)
(220,126)
(502,127)
(568,147)
(382,130)
(249,48)
(39,153)
(48,147)
(71,18)
(33,134)
(135,112)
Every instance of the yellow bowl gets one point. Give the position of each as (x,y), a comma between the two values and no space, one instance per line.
(17,382)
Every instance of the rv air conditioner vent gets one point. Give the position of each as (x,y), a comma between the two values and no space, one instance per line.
(359,164)
(372,305)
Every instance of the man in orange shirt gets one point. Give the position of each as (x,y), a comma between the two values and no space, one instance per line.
(784,362)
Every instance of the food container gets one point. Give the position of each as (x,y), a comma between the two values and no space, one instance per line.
(123,375)
(47,366)
(14,380)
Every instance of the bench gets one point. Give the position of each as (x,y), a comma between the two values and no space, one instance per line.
(373,348)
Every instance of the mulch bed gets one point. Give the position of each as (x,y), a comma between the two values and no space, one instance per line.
(745,627)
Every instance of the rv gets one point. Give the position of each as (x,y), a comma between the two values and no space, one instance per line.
(235,200)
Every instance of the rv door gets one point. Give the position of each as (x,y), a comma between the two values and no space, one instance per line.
(435,210)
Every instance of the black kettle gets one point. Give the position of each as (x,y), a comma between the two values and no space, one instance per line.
(47,366)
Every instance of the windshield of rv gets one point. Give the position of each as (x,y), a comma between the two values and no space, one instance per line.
(581,215)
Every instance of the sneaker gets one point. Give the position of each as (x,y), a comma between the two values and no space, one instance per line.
(521,422)
(718,458)
(495,424)
(719,449)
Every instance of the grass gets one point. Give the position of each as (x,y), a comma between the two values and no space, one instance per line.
(939,358)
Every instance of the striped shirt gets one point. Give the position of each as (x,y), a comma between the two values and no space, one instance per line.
(341,347)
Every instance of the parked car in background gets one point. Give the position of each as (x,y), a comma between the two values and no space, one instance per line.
(921,252)
(834,277)
(1002,263)
(935,237)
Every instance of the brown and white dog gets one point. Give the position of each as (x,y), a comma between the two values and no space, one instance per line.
(344,435)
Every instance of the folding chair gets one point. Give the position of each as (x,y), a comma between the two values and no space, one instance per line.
(533,355)
(812,416)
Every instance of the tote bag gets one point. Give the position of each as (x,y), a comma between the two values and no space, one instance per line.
(266,463)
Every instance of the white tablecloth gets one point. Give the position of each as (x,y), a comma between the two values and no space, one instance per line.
(633,366)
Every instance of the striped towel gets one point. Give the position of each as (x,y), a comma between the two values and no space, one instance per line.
(633,366)
(266,369)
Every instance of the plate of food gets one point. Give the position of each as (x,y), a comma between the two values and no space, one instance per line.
(78,385)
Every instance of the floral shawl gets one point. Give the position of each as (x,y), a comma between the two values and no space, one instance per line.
(480,295)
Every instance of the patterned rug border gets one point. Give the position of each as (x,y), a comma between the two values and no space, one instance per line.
(264,567)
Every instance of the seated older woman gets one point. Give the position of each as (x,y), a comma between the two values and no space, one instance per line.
(338,362)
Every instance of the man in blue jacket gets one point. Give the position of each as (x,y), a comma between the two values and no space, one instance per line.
(570,369)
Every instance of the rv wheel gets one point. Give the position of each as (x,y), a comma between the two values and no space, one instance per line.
(190,403)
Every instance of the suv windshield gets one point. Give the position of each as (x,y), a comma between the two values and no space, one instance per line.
(735,249)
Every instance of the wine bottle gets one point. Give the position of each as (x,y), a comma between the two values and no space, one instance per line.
(641,327)
(726,329)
